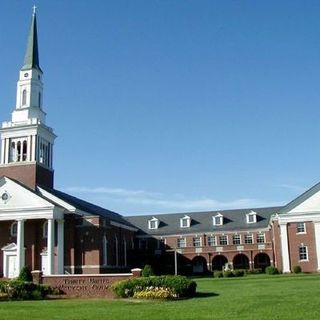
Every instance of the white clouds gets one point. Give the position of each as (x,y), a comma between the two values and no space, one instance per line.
(155,202)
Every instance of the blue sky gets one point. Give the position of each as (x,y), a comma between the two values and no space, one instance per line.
(172,106)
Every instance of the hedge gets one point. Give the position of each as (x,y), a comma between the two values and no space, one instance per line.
(179,286)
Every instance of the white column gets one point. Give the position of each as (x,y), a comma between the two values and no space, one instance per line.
(317,237)
(33,149)
(50,247)
(29,148)
(6,159)
(284,248)
(2,151)
(20,245)
(61,246)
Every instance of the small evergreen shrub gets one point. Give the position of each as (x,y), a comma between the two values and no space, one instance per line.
(254,271)
(25,274)
(297,269)
(272,270)
(217,274)
(238,273)
(228,274)
(147,271)
(180,286)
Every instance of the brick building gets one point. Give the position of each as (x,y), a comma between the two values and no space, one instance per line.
(57,233)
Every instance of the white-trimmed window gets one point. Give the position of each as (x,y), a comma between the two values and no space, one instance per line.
(14,229)
(248,238)
(185,222)
(45,230)
(153,223)
(261,238)
(236,239)
(251,217)
(212,241)
(223,240)
(196,241)
(217,220)
(181,243)
(303,253)
(301,227)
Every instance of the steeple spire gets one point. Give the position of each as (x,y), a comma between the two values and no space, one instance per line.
(31,59)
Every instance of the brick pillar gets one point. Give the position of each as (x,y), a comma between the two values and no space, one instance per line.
(136,272)
(36,276)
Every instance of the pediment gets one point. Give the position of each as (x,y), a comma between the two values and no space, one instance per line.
(18,201)
(15,196)
(10,247)
(309,204)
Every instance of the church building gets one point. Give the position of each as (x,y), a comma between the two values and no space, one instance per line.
(57,233)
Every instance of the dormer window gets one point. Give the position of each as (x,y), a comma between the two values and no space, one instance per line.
(251,217)
(217,219)
(153,223)
(185,222)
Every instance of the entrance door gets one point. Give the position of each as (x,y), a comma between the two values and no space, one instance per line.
(12,266)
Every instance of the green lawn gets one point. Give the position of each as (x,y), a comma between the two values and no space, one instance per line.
(253,297)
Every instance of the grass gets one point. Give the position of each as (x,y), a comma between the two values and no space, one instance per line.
(253,297)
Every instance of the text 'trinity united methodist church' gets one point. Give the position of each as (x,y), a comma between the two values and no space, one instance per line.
(49,230)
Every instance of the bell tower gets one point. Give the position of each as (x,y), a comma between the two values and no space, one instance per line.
(26,140)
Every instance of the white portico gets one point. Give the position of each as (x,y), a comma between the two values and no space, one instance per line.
(18,206)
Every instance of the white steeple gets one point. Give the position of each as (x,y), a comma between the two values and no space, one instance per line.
(26,139)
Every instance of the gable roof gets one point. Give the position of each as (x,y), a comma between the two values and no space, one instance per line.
(300,199)
(201,222)
(87,206)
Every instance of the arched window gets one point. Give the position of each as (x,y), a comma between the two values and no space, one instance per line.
(24,97)
(19,151)
(24,150)
(105,250)
(14,229)
(39,99)
(45,230)
(13,153)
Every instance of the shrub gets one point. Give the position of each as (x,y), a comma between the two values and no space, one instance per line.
(24,290)
(155,293)
(297,269)
(272,270)
(217,274)
(179,285)
(147,271)
(254,271)
(25,275)
(228,274)
(238,273)
(3,285)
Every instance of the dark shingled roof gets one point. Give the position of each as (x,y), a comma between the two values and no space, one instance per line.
(88,207)
(201,222)
(31,59)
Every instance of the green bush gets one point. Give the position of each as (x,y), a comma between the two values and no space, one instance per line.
(24,290)
(3,285)
(179,285)
(228,274)
(147,271)
(254,271)
(238,273)
(297,269)
(272,270)
(217,274)
(25,275)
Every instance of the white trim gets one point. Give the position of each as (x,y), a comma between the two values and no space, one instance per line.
(88,274)
(185,218)
(214,222)
(251,214)
(284,248)
(317,240)
(156,221)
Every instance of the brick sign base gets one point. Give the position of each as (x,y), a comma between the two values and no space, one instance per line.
(86,285)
